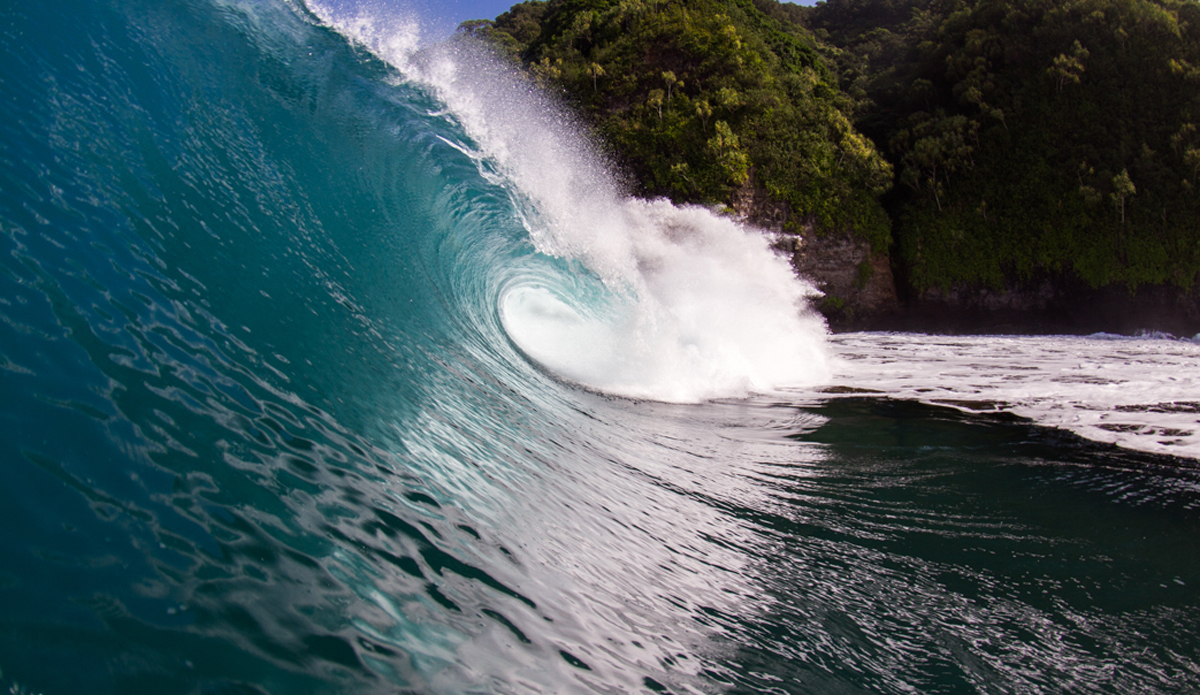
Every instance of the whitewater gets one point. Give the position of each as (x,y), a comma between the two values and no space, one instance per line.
(339,361)
(700,307)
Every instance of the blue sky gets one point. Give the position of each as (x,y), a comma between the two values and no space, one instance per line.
(475,9)
(438,18)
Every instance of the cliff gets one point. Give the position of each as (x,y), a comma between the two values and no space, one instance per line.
(857,281)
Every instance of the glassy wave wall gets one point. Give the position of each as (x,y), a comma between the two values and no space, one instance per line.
(333,363)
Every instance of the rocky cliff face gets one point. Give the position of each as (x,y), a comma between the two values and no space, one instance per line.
(858,286)
(861,292)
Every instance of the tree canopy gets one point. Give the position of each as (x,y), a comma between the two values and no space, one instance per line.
(1031,136)
(985,142)
(703,97)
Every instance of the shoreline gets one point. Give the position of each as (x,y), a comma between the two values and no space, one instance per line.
(1072,311)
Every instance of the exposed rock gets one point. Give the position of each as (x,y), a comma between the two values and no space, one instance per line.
(858,285)
(861,291)
(754,205)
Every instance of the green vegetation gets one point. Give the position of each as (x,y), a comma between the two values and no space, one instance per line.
(698,99)
(1023,138)
(1053,137)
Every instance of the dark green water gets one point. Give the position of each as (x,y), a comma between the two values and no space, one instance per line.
(264,430)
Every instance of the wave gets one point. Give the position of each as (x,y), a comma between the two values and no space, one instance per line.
(648,300)
(271,300)
(341,364)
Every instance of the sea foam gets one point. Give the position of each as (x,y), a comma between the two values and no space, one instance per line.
(696,305)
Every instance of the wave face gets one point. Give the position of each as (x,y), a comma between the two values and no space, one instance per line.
(643,300)
(334,363)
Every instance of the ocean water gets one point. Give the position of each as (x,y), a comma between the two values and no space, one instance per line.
(334,361)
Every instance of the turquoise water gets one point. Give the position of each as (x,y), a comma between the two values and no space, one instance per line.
(299,359)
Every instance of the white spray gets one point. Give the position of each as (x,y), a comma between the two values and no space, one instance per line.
(700,306)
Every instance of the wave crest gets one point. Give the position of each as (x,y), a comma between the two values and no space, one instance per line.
(675,303)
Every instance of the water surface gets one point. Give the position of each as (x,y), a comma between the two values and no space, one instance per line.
(327,370)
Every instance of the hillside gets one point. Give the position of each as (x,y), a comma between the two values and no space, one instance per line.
(1004,158)
(1032,140)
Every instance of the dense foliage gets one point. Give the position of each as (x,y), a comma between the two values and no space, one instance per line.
(1026,138)
(700,98)
(1056,137)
